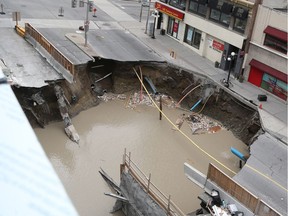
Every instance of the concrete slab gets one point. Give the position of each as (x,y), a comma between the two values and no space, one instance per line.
(28,67)
(265,172)
(64,45)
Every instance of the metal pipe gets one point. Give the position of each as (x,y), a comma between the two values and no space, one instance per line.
(196,104)
(238,154)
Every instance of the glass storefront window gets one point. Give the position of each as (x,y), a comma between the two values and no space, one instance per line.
(192,36)
(173,25)
(275,86)
(240,25)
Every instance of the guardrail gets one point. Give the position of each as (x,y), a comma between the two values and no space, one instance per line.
(160,198)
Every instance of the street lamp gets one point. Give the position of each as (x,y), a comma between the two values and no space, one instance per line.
(230,59)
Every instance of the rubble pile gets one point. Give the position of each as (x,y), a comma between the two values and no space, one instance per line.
(136,99)
(110,96)
(200,124)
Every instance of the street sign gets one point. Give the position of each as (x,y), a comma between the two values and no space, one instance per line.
(155,13)
(145,3)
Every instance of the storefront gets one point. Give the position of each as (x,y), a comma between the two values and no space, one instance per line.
(268,78)
(213,48)
(174,18)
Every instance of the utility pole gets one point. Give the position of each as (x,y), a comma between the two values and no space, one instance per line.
(86,24)
(89,8)
(144,3)
(148,15)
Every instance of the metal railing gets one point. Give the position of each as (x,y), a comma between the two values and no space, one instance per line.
(145,181)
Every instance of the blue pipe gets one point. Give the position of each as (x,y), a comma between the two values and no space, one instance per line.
(238,154)
(195,105)
(149,81)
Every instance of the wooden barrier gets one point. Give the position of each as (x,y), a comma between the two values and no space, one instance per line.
(50,48)
(257,206)
(20,31)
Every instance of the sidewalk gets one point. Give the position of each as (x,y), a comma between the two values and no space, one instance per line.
(273,114)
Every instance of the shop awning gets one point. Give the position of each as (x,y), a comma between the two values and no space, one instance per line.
(276,33)
(267,69)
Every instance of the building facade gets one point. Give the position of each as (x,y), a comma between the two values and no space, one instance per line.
(212,28)
(266,65)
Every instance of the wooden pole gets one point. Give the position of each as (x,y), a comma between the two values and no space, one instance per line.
(141,88)
(160,113)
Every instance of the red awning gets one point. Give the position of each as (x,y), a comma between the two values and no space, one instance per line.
(276,33)
(267,69)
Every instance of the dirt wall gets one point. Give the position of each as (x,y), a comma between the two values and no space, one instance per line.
(90,83)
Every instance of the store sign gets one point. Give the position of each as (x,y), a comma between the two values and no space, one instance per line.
(217,45)
(169,11)
(175,27)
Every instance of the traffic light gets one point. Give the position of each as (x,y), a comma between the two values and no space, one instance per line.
(74,3)
(90,4)
(81,3)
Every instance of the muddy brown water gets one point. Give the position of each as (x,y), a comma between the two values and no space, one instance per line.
(107,129)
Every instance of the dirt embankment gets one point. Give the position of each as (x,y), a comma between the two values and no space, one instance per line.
(40,105)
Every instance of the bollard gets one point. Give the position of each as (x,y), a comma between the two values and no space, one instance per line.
(61,12)
(2,9)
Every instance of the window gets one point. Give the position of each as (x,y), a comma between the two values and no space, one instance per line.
(181,4)
(241,15)
(240,25)
(215,14)
(193,36)
(275,43)
(173,25)
(225,18)
(220,12)
(220,17)
(197,8)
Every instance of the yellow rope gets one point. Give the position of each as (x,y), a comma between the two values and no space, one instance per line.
(213,158)
(267,177)
(181,131)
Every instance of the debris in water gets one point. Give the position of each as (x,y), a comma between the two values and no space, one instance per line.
(200,124)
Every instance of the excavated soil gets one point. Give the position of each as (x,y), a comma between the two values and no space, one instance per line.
(41,108)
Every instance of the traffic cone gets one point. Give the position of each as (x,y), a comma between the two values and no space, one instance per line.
(260,106)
